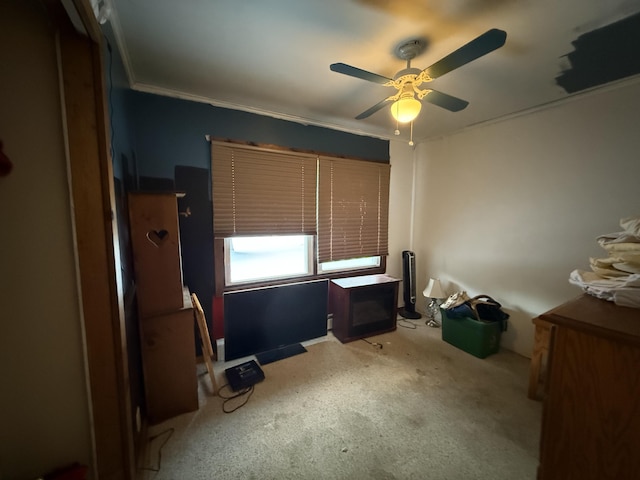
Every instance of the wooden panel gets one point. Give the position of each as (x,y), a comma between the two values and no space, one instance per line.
(155,238)
(91,175)
(591,423)
(205,340)
(339,308)
(599,317)
(539,358)
(169,363)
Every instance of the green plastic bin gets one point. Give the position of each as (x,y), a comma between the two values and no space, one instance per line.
(478,338)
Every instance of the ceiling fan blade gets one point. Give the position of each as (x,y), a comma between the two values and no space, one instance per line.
(372,110)
(448,102)
(485,43)
(358,73)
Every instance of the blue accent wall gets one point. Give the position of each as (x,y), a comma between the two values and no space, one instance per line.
(116,83)
(168,132)
(123,158)
(165,139)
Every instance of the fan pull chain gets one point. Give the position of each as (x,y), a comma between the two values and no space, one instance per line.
(411,135)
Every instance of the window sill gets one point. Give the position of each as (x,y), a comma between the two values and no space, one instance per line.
(307,278)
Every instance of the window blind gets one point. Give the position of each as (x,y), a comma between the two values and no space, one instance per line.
(262,192)
(353,209)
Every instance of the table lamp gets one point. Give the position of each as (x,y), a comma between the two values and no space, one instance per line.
(435,293)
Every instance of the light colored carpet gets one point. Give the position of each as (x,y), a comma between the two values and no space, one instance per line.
(418,408)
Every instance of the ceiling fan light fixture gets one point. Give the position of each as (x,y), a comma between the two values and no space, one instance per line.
(406,109)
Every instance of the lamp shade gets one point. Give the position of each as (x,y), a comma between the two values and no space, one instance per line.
(406,109)
(434,289)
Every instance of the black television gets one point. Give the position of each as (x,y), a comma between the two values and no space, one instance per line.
(263,319)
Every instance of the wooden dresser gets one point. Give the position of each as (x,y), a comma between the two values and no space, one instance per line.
(591,414)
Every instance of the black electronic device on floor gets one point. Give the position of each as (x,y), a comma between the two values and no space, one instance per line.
(244,375)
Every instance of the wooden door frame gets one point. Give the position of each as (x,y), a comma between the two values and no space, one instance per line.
(90,170)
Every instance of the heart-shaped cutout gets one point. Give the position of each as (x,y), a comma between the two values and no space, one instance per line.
(157,237)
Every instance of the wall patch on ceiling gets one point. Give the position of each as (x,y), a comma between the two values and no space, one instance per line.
(603,55)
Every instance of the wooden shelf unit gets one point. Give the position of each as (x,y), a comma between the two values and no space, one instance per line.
(165,310)
(169,362)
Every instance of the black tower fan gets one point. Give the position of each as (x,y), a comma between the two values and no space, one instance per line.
(409,286)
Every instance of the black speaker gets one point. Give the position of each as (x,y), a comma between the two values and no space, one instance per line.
(409,286)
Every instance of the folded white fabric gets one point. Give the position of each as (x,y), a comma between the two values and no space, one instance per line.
(629,267)
(626,257)
(622,247)
(623,291)
(630,233)
(613,267)
(617,277)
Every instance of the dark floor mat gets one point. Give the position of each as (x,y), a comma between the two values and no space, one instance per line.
(280,353)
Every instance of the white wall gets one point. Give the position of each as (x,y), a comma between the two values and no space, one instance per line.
(400,204)
(509,209)
(44,416)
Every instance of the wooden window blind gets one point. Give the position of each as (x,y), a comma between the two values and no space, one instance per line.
(353,209)
(262,192)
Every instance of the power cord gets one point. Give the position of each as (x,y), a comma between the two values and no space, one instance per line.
(409,325)
(373,344)
(247,391)
(164,442)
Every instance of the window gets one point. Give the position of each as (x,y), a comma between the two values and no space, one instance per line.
(353,209)
(346,265)
(263,258)
(276,210)
(262,192)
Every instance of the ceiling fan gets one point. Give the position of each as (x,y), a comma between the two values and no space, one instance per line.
(407,82)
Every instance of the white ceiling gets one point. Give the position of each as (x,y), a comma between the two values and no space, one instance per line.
(272,56)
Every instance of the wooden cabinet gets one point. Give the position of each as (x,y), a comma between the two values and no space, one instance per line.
(165,312)
(169,362)
(363,306)
(591,413)
(155,241)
